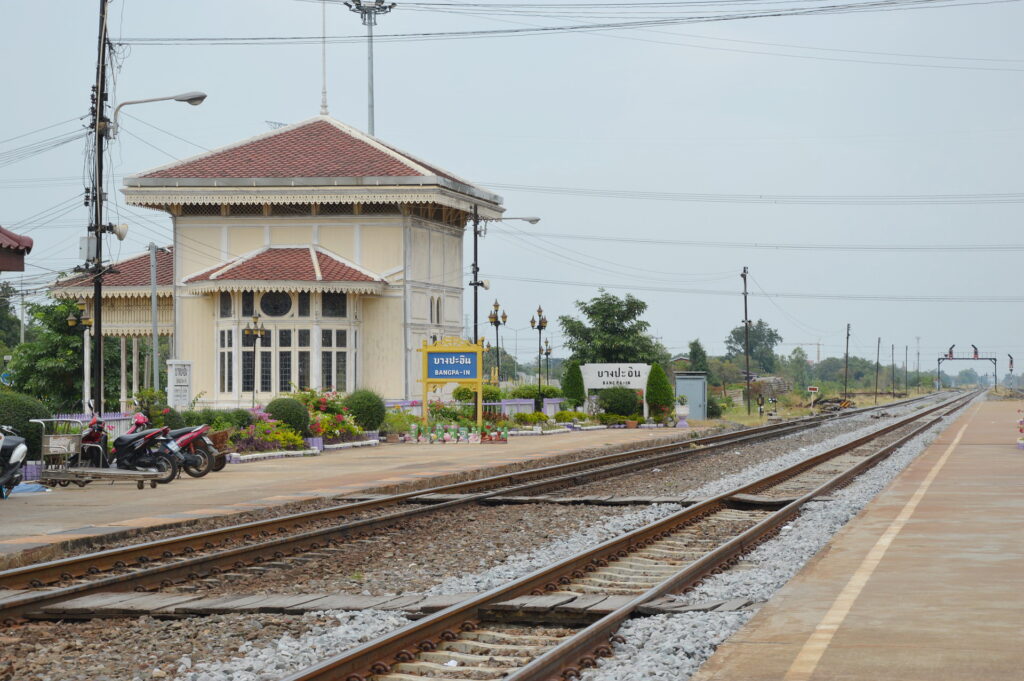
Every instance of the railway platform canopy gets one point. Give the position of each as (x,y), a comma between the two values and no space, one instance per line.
(924,585)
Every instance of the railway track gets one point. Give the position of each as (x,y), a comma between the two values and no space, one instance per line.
(559,620)
(165,562)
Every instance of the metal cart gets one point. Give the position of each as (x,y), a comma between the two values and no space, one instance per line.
(67,460)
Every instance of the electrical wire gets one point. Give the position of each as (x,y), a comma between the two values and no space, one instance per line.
(897,248)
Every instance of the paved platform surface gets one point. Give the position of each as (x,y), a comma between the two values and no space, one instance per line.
(31,521)
(926,584)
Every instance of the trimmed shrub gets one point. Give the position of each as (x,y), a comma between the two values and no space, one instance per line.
(492,393)
(567,416)
(15,411)
(620,401)
(291,412)
(610,419)
(572,385)
(366,408)
(714,409)
(660,397)
(239,418)
(528,391)
(530,419)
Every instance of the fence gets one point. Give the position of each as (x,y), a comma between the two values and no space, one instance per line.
(118,421)
(509,407)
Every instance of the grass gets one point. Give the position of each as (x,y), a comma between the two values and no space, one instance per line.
(738,413)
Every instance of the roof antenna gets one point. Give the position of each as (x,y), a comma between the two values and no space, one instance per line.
(323,56)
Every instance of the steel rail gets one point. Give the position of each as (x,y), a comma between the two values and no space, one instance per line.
(566,660)
(375,657)
(226,559)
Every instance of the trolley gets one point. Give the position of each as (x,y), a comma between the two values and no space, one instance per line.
(66,459)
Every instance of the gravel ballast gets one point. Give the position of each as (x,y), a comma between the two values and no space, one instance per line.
(674,646)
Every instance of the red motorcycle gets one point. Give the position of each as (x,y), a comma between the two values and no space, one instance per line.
(194,450)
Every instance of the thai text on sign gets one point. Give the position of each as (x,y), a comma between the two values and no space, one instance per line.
(453,365)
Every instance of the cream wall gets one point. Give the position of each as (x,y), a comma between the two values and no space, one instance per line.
(433,270)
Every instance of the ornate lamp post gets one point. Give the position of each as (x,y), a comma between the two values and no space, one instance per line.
(547,357)
(497,322)
(256,330)
(540,322)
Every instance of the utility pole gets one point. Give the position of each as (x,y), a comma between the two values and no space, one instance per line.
(368,12)
(746,335)
(918,369)
(99,131)
(906,369)
(878,357)
(22,333)
(846,369)
(476,283)
(155,352)
(892,351)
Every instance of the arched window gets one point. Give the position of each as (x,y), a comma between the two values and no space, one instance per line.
(438,316)
(431,309)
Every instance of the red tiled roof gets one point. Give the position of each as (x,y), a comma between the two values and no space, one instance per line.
(285,264)
(15,242)
(132,272)
(318,148)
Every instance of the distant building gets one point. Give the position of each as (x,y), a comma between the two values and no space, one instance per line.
(13,249)
(347,250)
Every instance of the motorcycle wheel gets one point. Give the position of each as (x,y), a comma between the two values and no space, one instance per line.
(219,461)
(203,468)
(167,467)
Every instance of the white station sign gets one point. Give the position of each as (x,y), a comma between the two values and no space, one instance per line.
(600,376)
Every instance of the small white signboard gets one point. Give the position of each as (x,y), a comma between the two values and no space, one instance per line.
(600,376)
(179,383)
(812,388)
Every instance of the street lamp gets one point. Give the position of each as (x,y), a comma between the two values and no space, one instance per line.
(540,322)
(547,359)
(497,322)
(257,331)
(191,98)
(480,230)
(94,264)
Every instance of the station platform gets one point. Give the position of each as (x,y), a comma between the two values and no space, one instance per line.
(926,584)
(40,523)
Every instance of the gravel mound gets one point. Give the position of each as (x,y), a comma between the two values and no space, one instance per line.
(290,653)
(675,646)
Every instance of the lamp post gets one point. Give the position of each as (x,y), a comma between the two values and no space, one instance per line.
(497,322)
(480,230)
(102,128)
(256,330)
(547,359)
(78,318)
(368,12)
(540,322)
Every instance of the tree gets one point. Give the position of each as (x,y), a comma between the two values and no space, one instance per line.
(763,340)
(724,372)
(49,366)
(698,357)
(611,332)
(796,368)
(572,384)
(509,367)
(660,396)
(10,326)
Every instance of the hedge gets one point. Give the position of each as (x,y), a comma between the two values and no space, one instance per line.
(366,408)
(291,412)
(16,410)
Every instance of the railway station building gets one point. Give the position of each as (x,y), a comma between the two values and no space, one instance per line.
(342,251)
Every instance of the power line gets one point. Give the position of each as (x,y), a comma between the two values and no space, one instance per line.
(805,199)
(794,295)
(958,248)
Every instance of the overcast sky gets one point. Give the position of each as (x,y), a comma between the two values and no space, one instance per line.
(921,103)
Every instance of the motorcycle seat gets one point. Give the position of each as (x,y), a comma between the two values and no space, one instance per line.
(129,438)
(178,432)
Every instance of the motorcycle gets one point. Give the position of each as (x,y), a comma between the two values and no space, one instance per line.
(13,451)
(147,450)
(190,446)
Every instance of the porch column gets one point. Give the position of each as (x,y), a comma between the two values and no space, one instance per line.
(124,374)
(86,370)
(135,365)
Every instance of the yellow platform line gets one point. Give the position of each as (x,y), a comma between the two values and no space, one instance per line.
(818,642)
